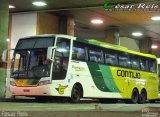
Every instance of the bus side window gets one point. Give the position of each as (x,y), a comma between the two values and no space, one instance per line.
(135,62)
(95,55)
(63,46)
(152,65)
(124,60)
(143,64)
(78,52)
(111,58)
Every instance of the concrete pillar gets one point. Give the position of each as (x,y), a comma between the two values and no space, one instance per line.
(63,24)
(145,45)
(112,35)
(4,15)
(70,25)
(66,25)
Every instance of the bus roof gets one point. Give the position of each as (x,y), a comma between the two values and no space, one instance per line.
(114,47)
(36,36)
(45,35)
(97,43)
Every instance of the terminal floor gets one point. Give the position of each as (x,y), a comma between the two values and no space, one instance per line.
(89,108)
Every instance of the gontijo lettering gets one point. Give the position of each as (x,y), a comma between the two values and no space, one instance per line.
(129,74)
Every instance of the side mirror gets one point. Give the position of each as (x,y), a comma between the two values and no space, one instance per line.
(50,52)
(5,56)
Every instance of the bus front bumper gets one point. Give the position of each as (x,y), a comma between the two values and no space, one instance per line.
(43,90)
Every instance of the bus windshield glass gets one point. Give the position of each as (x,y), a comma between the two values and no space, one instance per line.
(29,59)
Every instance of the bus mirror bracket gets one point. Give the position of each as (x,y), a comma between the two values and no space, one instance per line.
(50,51)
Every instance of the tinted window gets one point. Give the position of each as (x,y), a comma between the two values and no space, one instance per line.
(43,43)
(26,44)
(111,58)
(63,46)
(61,60)
(152,65)
(78,52)
(143,64)
(134,61)
(124,60)
(35,43)
(95,55)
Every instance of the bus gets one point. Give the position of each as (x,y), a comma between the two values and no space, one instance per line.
(69,67)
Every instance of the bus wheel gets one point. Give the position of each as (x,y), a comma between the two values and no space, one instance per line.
(142,97)
(75,95)
(134,98)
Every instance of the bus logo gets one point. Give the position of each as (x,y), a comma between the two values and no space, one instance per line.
(128,74)
(78,68)
(61,89)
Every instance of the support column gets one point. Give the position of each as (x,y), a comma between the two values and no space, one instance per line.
(62,24)
(66,25)
(145,45)
(4,15)
(112,35)
(70,26)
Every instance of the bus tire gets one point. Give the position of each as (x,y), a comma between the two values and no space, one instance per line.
(134,97)
(142,97)
(75,94)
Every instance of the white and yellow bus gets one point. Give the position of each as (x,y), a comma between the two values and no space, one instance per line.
(74,68)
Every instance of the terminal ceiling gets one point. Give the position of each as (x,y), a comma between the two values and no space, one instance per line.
(85,10)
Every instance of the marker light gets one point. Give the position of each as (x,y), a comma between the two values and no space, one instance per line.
(96,21)
(137,34)
(155,18)
(40,3)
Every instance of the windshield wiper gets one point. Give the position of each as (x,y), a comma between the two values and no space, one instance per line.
(17,73)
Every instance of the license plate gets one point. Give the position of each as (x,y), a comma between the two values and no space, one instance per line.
(26,90)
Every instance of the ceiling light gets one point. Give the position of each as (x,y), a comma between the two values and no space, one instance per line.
(11,6)
(96,21)
(137,34)
(155,18)
(154,47)
(39,3)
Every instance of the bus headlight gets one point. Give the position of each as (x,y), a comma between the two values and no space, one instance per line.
(44,82)
(12,83)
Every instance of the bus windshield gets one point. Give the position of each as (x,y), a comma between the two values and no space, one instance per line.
(30,64)
(29,60)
